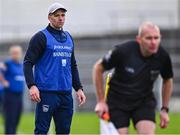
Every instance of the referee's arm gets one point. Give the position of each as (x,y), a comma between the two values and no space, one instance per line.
(167,75)
(108,62)
(167,88)
(166,94)
(98,80)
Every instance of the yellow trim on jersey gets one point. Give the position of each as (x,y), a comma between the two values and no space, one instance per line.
(107,85)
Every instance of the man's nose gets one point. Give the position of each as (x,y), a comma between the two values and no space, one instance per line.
(153,41)
(60,18)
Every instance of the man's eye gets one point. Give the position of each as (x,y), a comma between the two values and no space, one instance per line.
(156,37)
(148,38)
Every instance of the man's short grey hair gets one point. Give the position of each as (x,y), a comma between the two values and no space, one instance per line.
(146,24)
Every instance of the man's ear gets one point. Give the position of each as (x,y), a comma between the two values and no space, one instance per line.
(138,39)
(49,17)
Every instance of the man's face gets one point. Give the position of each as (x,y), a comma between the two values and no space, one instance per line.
(149,41)
(57,19)
(16,53)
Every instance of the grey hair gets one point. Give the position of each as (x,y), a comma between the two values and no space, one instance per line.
(145,25)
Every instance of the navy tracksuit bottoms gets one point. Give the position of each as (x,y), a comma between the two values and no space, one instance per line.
(58,106)
(12,108)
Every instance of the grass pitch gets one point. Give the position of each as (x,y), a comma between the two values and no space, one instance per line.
(88,123)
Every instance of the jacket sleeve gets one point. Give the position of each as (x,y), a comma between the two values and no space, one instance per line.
(74,69)
(75,74)
(34,52)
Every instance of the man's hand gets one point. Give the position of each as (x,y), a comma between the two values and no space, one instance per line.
(3,66)
(81,97)
(164,119)
(34,94)
(5,83)
(101,107)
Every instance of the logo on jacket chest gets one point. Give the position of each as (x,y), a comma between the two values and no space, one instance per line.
(154,74)
(62,51)
(62,47)
(130,70)
(64,62)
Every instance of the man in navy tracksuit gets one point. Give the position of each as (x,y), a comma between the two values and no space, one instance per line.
(12,78)
(52,52)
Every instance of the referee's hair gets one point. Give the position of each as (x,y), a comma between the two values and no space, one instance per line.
(145,25)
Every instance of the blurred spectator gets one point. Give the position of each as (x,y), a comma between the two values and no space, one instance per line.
(12,79)
(1,87)
(1,96)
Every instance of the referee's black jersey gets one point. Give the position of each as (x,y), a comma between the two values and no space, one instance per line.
(134,74)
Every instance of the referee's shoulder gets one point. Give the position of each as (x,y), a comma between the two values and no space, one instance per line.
(163,52)
(126,45)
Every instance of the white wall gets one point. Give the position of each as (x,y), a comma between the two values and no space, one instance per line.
(21,18)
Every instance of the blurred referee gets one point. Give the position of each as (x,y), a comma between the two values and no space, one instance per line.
(52,52)
(136,65)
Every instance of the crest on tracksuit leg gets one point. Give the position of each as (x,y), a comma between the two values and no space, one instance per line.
(45,108)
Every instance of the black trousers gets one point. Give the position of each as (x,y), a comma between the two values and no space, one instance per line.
(12,107)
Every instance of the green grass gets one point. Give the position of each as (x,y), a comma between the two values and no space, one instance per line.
(88,123)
